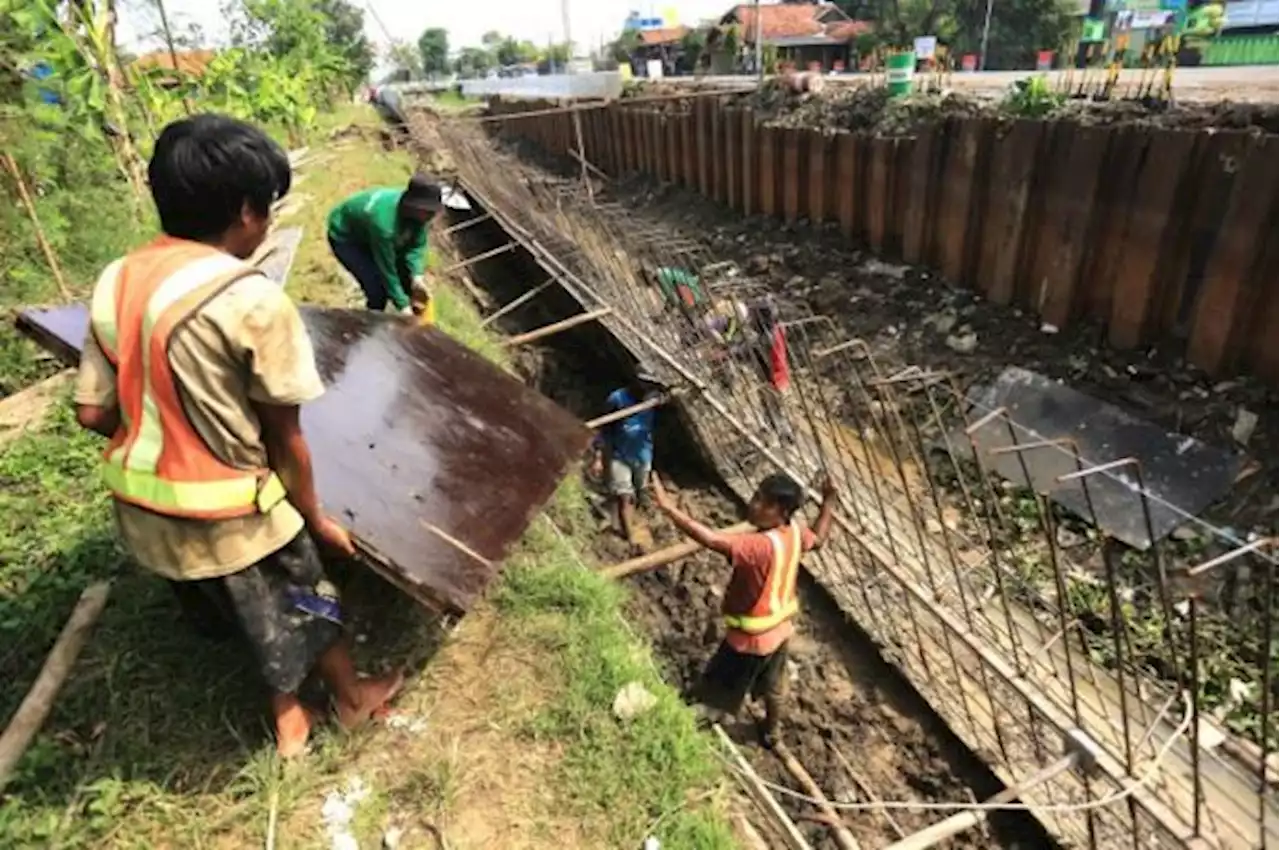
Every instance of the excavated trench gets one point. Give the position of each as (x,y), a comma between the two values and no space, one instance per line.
(850,710)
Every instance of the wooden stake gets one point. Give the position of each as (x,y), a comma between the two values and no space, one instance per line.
(843,837)
(582,157)
(38,702)
(462,264)
(662,557)
(770,807)
(557,327)
(480,219)
(587,165)
(648,404)
(523,299)
(25,196)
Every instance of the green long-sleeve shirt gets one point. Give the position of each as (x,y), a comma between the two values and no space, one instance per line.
(399,248)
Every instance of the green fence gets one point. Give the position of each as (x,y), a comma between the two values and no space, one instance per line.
(1242,50)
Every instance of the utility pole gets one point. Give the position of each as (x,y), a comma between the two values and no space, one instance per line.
(759,45)
(986,31)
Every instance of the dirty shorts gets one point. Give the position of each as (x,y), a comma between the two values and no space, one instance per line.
(282,605)
(730,676)
(628,478)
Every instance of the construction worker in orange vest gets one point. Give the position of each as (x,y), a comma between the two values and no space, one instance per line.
(761,599)
(194,368)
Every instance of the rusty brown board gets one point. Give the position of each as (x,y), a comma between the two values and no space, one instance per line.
(1014,155)
(749,177)
(414,430)
(1233,282)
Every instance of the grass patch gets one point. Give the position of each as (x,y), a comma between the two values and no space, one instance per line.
(161,739)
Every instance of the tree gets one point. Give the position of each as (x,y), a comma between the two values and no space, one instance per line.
(344,28)
(473,62)
(556,56)
(512,52)
(433,45)
(405,60)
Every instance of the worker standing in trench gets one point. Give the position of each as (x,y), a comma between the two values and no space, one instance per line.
(195,367)
(761,600)
(623,451)
(380,237)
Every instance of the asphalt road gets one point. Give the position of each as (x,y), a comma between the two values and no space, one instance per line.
(1254,83)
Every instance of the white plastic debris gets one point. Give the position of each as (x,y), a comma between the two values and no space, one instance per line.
(632,701)
(406,722)
(339,810)
(651,843)
(1242,430)
(392,837)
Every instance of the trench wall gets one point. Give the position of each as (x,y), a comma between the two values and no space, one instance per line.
(1159,235)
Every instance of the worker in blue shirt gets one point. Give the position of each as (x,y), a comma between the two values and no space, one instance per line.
(624,449)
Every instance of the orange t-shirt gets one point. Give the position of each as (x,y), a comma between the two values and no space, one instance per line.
(751,555)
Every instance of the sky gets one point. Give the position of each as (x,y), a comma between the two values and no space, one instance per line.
(590,21)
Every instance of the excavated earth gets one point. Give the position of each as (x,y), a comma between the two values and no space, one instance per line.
(845,698)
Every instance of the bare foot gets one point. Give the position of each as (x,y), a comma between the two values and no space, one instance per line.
(293,728)
(373,694)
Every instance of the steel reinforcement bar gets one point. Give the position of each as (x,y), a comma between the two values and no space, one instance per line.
(1024,645)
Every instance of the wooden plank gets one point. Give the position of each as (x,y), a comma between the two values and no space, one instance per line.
(1232,288)
(703,131)
(750,164)
(660,147)
(955,217)
(791,177)
(878,192)
(1262,354)
(614,127)
(899,163)
(845,185)
(1149,230)
(1014,156)
(917,231)
(1068,206)
(768,140)
(1217,158)
(1117,191)
(716,163)
(733,158)
(624,139)
(674,162)
(689,142)
(820,145)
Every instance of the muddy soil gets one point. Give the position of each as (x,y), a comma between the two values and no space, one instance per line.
(868,108)
(844,697)
(914,317)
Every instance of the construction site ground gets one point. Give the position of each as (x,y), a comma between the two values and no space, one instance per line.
(503,738)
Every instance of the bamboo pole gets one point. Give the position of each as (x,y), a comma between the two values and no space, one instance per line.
(28,204)
(662,557)
(942,830)
(38,702)
(469,261)
(648,404)
(843,837)
(769,806)
(557,327)
(480,219)
(523,299)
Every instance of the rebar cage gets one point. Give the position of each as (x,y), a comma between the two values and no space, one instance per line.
(1027,647)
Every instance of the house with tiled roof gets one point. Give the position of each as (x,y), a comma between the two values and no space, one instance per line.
(190,63)
(812,36)
(665,45)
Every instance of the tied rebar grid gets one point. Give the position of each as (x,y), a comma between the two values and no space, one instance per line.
(1019,644)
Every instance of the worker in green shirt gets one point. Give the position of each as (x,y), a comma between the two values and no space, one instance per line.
(380,236)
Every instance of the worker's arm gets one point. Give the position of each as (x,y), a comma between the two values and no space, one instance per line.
(706,537)
(384,255)
(826,514)
(97,406)
(282,371)
(415,259)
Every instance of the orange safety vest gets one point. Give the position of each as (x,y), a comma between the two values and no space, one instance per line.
(156,459)
(777,601)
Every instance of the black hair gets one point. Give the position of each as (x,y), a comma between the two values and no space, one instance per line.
(783,491)
(206,168)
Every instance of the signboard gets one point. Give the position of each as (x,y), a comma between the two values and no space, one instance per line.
(1093,31)
(1252,13)
(926,46)
(653,69)
(1143,20)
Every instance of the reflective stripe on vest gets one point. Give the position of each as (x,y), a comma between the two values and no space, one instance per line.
(777,602)
(156,459)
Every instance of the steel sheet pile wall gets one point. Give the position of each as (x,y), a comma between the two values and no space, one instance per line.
(1016,644)
(1157,234)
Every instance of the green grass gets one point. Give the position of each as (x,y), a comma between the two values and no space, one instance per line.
(161,739)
